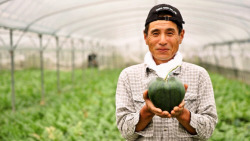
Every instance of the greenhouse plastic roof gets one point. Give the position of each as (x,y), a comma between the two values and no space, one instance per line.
(121,21)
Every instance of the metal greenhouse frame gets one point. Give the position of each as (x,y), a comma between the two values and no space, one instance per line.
(217,33)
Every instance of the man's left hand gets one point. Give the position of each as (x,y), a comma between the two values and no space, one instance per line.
(177,111)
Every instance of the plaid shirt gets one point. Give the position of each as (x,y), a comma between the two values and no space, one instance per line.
(199,100)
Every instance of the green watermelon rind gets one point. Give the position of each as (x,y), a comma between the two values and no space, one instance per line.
(166,94)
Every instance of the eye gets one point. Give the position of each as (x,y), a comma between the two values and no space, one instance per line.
(155,33)
(170,33)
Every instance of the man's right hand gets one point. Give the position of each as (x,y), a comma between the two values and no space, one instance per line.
(147,112)
(151,108)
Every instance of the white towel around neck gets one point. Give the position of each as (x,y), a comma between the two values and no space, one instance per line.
(162,70)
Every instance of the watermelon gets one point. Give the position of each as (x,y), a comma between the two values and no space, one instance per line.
(166,94)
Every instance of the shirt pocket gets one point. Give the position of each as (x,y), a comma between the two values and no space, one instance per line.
(191,101)
(138,101)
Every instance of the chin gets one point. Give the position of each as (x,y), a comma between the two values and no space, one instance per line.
(163,57)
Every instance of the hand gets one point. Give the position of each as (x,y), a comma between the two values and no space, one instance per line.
(178,110)
(151,108)
(186,87)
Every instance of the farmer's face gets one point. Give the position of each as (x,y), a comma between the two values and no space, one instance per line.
(163,40)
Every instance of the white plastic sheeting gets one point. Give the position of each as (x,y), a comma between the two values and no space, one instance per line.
(60,34)
(120,21)
(209,24)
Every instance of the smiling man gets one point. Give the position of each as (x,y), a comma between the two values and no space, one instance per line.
(137,118)
(163,40)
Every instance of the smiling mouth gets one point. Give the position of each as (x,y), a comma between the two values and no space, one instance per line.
(162,49)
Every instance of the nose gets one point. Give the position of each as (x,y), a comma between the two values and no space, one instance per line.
(163,40)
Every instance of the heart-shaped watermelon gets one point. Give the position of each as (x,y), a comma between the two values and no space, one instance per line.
(166,94)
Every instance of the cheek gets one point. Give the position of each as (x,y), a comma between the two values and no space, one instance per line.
(176,39)
(175,42)
(149,42)
(153,41)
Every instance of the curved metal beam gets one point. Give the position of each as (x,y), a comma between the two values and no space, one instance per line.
(126,27)
(2,2)
(90,4)
(136,9)
(66,10)
(235,3)
(59,12)
(119,11)
(125,23)
(122,28)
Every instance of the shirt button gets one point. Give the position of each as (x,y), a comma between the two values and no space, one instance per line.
(165,129)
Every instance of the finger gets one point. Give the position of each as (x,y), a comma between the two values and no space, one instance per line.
(150,105)
(167,114)
(145,95)
(157,110)
(164,114)
(152,108)
(176,109)
(186,86)
(182,104)
(173,113)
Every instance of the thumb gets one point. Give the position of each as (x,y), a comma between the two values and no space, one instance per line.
(186,87)
(145,95)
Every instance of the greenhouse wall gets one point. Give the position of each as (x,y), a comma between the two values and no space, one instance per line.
(230,59)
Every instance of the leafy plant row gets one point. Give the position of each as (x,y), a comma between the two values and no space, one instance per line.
(85,107)
(84,110)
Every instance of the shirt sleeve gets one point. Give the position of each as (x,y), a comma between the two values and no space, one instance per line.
(126,115)
(205,119)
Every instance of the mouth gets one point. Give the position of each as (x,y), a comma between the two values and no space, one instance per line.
(162,49)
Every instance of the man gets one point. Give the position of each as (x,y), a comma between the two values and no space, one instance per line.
(137,118)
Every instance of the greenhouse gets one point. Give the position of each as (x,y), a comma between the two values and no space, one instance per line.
(60,63)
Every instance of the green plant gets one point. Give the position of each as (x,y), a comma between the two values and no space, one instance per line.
(85,109)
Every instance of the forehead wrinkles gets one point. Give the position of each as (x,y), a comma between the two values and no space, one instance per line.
(162,25)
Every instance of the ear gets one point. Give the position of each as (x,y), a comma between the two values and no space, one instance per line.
(181,35)
(145,38)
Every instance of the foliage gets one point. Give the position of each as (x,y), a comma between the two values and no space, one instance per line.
(232,102)
(84,109)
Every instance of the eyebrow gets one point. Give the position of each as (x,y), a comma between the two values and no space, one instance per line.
(154,30)
(170,29)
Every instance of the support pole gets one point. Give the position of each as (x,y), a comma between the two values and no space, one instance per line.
(1,67)
(82,59)
(12,55)
(103,56)
(113,57)
(73,61)
(42,102)
(216,58)
(233,61)
(58,65)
